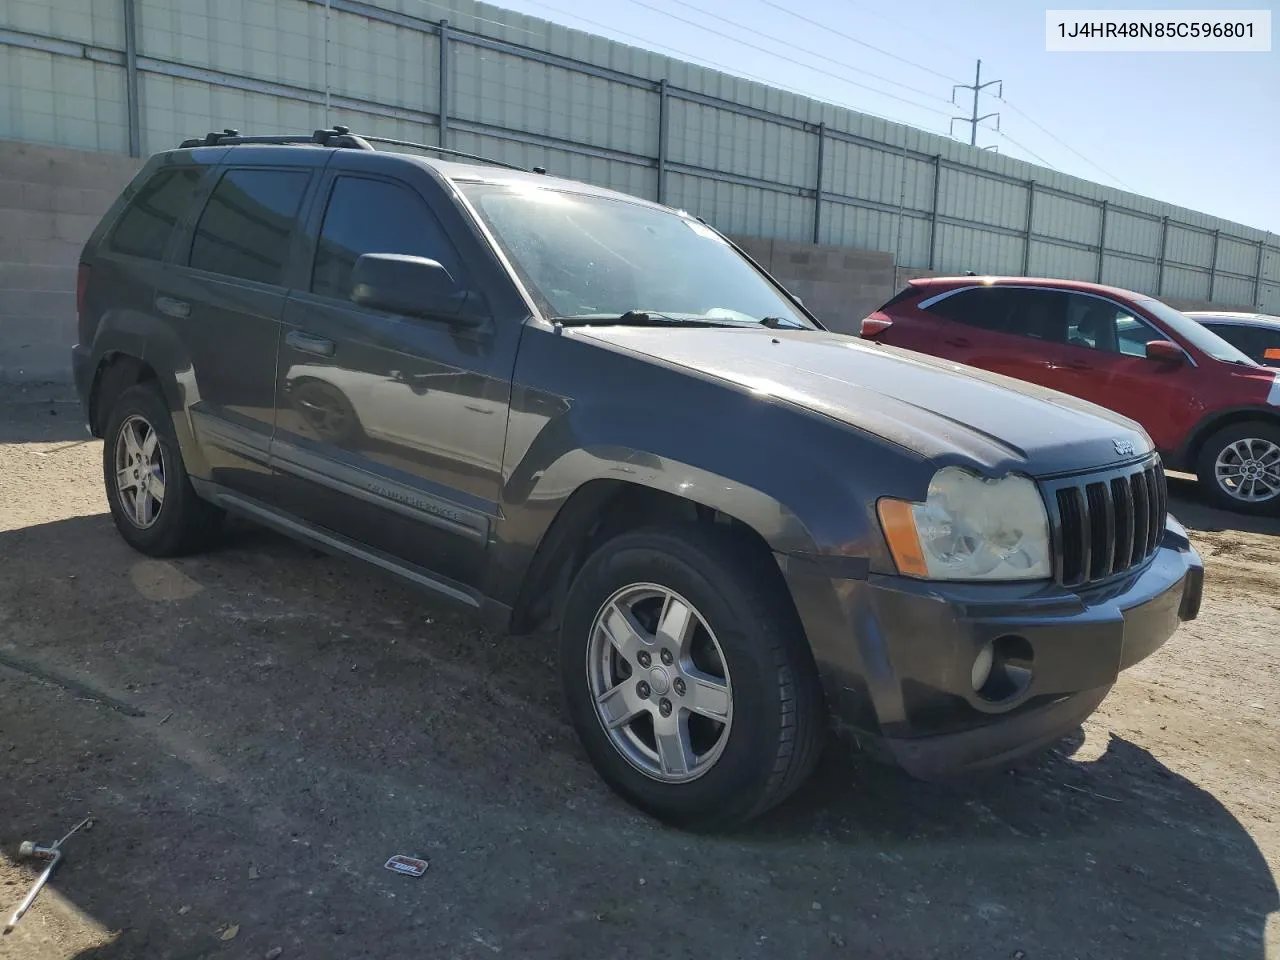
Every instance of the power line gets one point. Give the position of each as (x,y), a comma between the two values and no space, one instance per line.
(765,50)
(1043,162)
(852,39)
(1063,143)
(730,70)
(915,29)
(783,43)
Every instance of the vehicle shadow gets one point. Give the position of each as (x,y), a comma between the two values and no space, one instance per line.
(1188,504)
(34,419)
(303,719)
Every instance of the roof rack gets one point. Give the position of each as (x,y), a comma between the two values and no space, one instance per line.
(338,136)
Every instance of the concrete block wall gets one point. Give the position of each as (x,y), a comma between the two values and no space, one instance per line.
(51,198)
(840,286)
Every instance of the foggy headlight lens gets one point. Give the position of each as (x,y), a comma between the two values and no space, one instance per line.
(970,528)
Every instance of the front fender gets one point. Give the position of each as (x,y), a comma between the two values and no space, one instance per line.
(776,470)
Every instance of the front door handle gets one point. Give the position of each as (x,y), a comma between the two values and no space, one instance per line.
(172,307)
(958,342)
(309,343)
(1069,365)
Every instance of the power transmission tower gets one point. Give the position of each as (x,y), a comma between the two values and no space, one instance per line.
(973,120)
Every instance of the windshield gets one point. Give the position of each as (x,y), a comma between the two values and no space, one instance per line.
(589,256)
(1202,338)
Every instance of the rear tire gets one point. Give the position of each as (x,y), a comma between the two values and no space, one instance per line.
(746,702)
(1239,468)
(152,502)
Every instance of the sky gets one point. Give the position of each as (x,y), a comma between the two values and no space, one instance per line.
(1197,129)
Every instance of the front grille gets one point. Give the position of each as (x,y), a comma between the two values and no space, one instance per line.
(1105,524)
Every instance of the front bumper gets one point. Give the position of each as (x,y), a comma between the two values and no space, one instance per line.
(907,692)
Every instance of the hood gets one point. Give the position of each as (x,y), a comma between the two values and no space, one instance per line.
(938,409)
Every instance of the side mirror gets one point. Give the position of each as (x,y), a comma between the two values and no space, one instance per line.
(413,286)
(1165,351)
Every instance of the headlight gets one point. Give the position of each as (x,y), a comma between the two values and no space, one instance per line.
(970,528)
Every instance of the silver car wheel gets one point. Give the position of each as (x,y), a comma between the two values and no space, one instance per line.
(1249,470)
(660,683)
(140,473)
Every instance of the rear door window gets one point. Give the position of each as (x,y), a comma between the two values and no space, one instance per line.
(144,228)
(1039,314)
(985,308)
(248,224)
(374,216)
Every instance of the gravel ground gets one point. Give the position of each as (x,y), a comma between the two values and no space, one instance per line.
(257,729)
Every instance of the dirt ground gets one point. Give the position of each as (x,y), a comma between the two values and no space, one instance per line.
(258,729)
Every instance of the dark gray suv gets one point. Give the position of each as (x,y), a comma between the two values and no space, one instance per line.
(564,407)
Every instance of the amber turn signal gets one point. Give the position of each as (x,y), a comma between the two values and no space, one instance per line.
(899,525)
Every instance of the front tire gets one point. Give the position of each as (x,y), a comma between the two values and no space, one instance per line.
(1239,468)
(688,677)
(152,502)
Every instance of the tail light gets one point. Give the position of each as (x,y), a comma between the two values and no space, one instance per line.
(82,282)
(872,327)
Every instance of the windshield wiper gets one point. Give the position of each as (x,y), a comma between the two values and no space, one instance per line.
(634,318)
(783,323)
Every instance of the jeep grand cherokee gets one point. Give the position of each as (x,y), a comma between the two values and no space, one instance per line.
(556,404)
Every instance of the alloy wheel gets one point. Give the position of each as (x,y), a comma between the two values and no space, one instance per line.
(140,471)
(1249,470)
(660,683)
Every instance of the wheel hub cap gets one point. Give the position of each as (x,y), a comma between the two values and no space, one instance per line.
(661,688)
(659,682)
(1249,470)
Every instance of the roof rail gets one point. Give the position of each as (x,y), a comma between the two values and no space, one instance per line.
(445,151)
(333,137)
(338,136)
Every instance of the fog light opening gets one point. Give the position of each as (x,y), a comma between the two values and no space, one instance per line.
(1008,675)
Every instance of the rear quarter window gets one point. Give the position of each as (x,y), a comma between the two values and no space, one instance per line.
(144,228)
(247,226)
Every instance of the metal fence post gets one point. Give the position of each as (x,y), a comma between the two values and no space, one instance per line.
(817,188)
(933,210)
(1257,275)
(1102,242)
(1213,263)
(902,205)
(662,141)
(1164,240)
(131,78)
(1026,234)
(444,82)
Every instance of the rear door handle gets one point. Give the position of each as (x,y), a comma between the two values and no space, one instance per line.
(309,343)
(172,307)
(958,342)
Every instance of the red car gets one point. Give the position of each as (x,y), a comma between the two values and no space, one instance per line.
(1207,406)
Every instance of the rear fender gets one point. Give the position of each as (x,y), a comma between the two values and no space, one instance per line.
(133,333)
